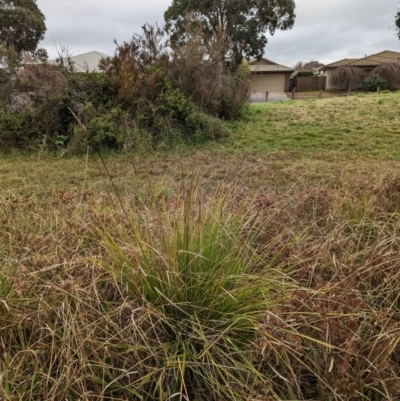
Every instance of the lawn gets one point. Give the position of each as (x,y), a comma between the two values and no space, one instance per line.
(265,266)
(360,126)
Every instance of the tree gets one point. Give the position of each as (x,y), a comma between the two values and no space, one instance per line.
(198,69)
(22,24)
(313,66)
(347,76)
(240,25)
(131,59)
(397,22)
(390,72)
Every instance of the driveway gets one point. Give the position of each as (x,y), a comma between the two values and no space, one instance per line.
(259,97)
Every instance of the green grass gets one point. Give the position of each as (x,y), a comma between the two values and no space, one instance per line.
(261,267)
(356,127)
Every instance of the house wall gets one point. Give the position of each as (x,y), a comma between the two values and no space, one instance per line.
(268,82)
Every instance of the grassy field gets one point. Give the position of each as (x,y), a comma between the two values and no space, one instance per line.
(262,267)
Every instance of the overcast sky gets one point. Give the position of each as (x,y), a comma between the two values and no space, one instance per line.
(325,30)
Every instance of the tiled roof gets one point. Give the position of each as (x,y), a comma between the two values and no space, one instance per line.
(366,62)
(389,54)
(265,65)
(341,63)
(262,61)
(373,60)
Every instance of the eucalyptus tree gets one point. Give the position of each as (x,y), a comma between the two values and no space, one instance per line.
(22,25)
(241,25)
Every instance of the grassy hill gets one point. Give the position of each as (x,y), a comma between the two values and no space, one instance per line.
(356,126)
(265,266)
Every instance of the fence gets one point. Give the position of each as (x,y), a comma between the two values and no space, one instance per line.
(294,95)
(262,97)
(305,84)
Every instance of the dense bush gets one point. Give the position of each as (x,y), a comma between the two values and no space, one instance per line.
(43,103)
(158,114)
(102,129)
(145,94)
(373,82)
(19,130)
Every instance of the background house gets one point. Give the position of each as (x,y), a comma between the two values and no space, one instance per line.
(267,76)
(367,63)
(86,62)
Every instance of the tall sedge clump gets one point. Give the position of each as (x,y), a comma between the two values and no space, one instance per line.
(188,271)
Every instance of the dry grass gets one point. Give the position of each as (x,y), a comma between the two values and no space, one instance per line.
(320,232)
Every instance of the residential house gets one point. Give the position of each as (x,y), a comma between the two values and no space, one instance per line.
(367,63)
(268,76)
(86,62)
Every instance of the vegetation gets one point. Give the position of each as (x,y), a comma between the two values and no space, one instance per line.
(313,66)
(347,76)
(262,267)
(238,27)
(265,266)
(373,82)
(340,127)
(397,23)
(390,72)
(303,74)
(22,25)
(146,96)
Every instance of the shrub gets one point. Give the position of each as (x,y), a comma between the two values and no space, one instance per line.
(19,131)
(164,110)
(373,81)
(102,129)
(303,74)
(131,58)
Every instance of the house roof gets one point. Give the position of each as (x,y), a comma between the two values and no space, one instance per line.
(389,54)
(386,56)
(265,65)
(340,63)
(86,62)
